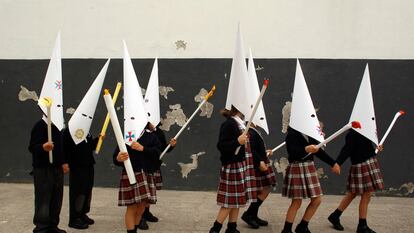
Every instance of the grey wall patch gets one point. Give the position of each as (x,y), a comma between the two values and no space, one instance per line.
(70,111)
(286,116)
(259,68)
(143,91)
(281,165)
(180,44)
(175,116)
(164,91)
(207,108)
(321,173)
(186,168)
(25,94)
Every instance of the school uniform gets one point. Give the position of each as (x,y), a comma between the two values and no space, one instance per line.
(143,165)
(237,184)
(81,176)
(263,178)
(364,174)
(301,179)
(48,178)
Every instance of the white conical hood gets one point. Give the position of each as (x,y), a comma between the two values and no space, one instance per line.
(364,110)
(52,87)
(236,94)
(135,114)
(254,93)
(80,123)
(302,114)
(152,96)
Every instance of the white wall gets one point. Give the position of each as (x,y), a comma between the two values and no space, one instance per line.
(273,28)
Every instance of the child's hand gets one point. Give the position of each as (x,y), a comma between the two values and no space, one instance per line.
(263,166)
(137,146)
(380,148)
(242,139)
(311,149)
(269,152)
(336,169)
(122,156)
(65,168)
(48,146)
(173,142)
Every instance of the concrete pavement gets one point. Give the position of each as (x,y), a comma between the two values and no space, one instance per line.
(185,211)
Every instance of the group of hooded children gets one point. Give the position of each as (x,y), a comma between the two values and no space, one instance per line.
(246,177)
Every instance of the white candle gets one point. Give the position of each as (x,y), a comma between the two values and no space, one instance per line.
(119,135)
(398,114)
(210,93)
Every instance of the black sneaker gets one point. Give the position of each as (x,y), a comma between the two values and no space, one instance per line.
(88,220)
(336,223)
(232,231)
(56,230)
(364,229)
(250,220)
(78,224)
(212,230)
(143,224)
(150,217)
(286,231)
(261,222)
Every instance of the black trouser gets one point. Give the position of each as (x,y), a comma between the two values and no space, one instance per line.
(80,191)
(48,191)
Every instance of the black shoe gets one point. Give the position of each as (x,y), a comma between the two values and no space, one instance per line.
(250,220)
(150,217)
(286,231)
(143,224)
(261,222)
(213,231)
(301,229)
(336,223)
(232,231)
(364,229)
(78,224)
(56,230)
(88,220)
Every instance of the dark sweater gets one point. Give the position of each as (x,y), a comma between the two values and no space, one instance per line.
(295,145)
(38,136)
(358,147)
(257,147)
(146,159)
(80,155)
(227,144)
(163,144)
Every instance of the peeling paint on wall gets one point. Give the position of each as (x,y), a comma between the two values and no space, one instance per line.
(286,116)
(143,91)
(281,165)
(164,91)
(409,187)
(225,75)
(321,173)
(207,108)
(175,116)
(70,110)
(180,44)
(25,94)
(259,68)
(186,168)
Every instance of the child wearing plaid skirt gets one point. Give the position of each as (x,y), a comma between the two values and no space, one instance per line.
(265,177)
(301,180)
(237,185)
(135,197)
(364,178)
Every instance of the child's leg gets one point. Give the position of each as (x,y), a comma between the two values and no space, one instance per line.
(140,210)
(130,216)
(293,209)
(363,205)
(311,209)
(262,194)
(233,214)
(349,197)
(222,214)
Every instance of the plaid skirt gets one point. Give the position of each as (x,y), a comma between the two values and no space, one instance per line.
(365,177)
(158,179)
(265,178)
(301,181)
(237,185)
(142,191)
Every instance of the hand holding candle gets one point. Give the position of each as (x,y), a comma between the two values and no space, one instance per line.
(119,136)
(48,103)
